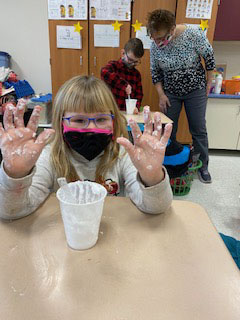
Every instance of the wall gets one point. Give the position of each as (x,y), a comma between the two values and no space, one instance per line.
(228,52)
(24,35)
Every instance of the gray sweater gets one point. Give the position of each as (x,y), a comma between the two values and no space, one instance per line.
(21,197)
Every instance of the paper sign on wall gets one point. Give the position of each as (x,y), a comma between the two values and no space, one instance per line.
(67,38)
(67,9)
(105,36)
(199,9)
(110,10)
(142,35)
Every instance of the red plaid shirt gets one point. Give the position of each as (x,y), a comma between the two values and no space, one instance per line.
(117,75)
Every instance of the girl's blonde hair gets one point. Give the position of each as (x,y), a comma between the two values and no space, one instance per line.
(91,95)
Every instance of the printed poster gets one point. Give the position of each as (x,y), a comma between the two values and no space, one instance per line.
(142,35)
(110,10)
(105,36)
(67,38)
(67,9)
(199,9)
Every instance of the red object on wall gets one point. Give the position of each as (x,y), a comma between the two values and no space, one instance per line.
(228,21)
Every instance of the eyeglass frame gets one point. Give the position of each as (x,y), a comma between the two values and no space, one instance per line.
(88,119)
(159,39)
(135,62)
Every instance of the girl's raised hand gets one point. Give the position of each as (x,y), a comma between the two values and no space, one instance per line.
(19,145)
(147,153)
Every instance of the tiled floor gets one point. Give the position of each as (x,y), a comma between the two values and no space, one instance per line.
(221,197)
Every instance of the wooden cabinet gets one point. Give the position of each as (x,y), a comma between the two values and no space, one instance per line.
(99,56)
(66,63)
(228,22)
(139,12)
(223,123)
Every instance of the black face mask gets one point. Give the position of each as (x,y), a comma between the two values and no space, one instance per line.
(89,145)
(127,64)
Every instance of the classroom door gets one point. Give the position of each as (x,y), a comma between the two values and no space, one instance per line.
(99,56)
(67,63)
(139,12)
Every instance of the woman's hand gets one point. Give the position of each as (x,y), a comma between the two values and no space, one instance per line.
(19,145)
(135,111)
(208,88)
(164,103)
(147,153)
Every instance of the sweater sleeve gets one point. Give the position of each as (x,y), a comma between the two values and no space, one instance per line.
(156,72)
(204,49)
(20,197)
(110,75)
(154,200)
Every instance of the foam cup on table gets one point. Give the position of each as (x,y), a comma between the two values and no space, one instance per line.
(81,214)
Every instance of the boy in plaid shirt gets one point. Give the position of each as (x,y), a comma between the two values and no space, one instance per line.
(122,76)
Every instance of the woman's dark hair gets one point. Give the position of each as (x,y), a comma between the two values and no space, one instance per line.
(160,20)
(134,45)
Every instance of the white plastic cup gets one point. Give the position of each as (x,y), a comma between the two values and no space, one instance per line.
(82,214)
(130,105)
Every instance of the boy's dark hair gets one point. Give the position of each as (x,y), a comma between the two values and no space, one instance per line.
(134,45)
(160,20)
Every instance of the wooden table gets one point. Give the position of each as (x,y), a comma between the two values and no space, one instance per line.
(139,117)
(143,267)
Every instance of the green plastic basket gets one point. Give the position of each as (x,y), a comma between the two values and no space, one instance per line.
(182,185)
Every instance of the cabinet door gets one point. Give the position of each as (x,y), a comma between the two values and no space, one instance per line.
(139,12)
(238,146)
(67,63)
(99,56)
(228,22)
(223,123)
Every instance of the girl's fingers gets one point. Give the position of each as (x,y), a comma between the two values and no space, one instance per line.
(157,125)
(8,117)
(148,125)
(33,121)
(44,136)
(18,115)
(127,145)
(136,132)
(1,129)
(166,134)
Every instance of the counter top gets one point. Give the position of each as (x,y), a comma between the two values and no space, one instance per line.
(223,96)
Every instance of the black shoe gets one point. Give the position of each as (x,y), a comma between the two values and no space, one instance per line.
(204,176)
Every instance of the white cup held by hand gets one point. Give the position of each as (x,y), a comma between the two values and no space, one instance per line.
(82,217)
(130,105)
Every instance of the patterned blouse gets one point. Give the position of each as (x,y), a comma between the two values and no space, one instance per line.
(178,65)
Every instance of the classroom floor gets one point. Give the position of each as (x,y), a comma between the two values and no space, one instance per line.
(220,198)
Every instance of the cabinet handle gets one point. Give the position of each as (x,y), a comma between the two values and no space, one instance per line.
(95,61)
(238,113)
(81,60)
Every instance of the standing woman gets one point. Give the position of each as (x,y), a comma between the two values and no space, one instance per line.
(179,76)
